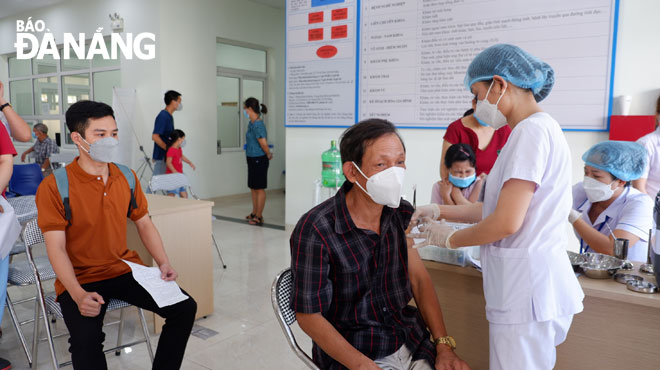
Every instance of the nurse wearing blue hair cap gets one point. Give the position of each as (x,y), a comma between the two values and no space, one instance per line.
(530,289)
(605,200)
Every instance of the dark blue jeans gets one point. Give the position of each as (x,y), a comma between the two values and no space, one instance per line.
(87,335)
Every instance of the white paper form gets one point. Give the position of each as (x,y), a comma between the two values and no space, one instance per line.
(164,293)
(9,228)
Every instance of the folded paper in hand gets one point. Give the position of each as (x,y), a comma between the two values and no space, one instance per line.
(164,293)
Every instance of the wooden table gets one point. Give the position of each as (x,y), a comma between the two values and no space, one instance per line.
(185,227)
(618,329)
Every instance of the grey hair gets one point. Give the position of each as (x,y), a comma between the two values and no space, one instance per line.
(41,127)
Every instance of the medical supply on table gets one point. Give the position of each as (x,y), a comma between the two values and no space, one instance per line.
(642,287)
(600,266)
(624,278)
(464,256)
(648,268)
(621,248)
(332,173)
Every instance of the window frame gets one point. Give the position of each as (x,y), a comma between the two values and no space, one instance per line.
(59,74)
(242,74)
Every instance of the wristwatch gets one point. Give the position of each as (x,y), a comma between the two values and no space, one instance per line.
(445,340)
(2,107)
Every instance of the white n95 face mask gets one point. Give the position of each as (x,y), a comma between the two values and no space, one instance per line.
(180,107)
(104,150)
(488,113)
(384,187)
(596,190)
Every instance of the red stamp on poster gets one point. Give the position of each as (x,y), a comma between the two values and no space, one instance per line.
(316,17)
(315,34)
(327,51)
(339,32)
(339,14)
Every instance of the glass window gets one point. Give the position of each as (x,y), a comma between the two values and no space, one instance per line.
(98,60)
(54,127)
(229,111)
(103,84)
(73,63)
(21,96)
(238,57)
(46,65)
(46,93)
(75,88)
(19,67)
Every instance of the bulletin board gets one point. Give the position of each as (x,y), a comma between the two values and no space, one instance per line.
(405,60)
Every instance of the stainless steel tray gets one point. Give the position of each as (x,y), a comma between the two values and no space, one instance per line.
(642,287)
(623,278)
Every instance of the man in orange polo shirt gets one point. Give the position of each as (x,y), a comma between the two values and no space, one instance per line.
(87,253)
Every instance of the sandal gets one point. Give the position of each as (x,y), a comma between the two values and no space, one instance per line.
(257,221)
(250,216)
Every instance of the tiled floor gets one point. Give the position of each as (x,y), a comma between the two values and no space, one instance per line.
(249,337)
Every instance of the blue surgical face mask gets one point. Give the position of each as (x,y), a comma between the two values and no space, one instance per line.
(183,143)
(34,135)
(462,182)
(245,113)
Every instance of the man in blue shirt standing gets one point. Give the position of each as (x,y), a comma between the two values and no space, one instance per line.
(163,127)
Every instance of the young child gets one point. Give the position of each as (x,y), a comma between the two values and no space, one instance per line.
(175,158)
(463,186)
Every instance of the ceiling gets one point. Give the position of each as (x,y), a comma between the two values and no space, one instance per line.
(12,7)
(281,4)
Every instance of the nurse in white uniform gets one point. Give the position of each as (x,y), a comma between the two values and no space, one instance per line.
(649,182)
(530,289)
(605,200)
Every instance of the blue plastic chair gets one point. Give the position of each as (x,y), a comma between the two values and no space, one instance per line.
(25,180)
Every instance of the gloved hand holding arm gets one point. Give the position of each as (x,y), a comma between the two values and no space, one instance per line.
(433,233)
(431,211)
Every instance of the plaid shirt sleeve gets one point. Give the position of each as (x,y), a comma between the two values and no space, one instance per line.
(51,148)
(312,288)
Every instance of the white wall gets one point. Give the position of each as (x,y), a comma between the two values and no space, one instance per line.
(636,74)
(187,50)
(185,61)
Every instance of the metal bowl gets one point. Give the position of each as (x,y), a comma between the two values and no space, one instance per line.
(642,287)
(624,278)
(600,266)
(576,260)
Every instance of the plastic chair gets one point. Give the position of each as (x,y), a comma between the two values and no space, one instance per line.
(20,274)
(25,180)
(47,304)
(173,181)
(281,297)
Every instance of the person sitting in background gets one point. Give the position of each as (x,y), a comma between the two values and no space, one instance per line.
(486,142)
(86,242)
(43,147)
(7,152)
(15,125)
(463,186)
(175,159)
(649,182)
(605,203)
(354,271)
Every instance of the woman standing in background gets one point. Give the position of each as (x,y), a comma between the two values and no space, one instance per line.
(258,158)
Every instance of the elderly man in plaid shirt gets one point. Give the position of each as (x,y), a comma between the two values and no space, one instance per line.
(354,270)
(43,147)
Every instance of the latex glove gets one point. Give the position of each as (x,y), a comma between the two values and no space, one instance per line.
(428,211)
(574,215)
(433,233)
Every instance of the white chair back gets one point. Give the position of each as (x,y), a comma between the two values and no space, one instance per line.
(170,181)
